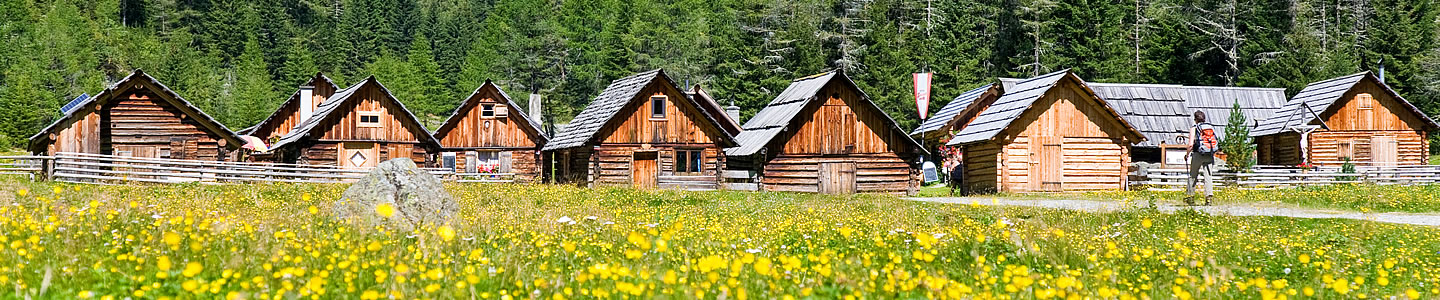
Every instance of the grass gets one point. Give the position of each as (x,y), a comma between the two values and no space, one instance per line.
(1435,159)
(1350,197)
(279,241)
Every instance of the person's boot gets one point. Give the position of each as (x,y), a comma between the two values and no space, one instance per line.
(1190,200)
(1208,199)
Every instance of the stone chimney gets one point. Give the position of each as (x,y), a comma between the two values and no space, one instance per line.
(734,112)
(535,112)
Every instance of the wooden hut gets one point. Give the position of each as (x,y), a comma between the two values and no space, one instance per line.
(358,127)
(1048,133)
(140,117)
(490,133)
(944,123)
(1357,117)
(642,131)
(1165,112)
(300,106)
(728,120)
(823,134)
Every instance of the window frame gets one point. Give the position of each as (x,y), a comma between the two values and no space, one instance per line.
(658,102)
(487,110)
(688,162)
(360,122)
(1365,101)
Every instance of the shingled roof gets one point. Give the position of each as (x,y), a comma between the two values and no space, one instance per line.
(88,105)
(1316,98)
(329,107)
(276,117)
(777,116)
(948,113)
(709,103)
(1164,112)
(603,108)
(1019,97)
(470,101)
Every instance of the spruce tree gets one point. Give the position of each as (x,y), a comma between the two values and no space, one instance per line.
(299,65)
(1239,153)
(255,95)
(429,101)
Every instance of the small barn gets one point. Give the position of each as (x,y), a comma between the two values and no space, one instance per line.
(358,127)
(1165,112)
(1356,117)
(1047,134)
(642,131)
(140,117)
(490,133)
(944,123)
(300,106)
(823,134)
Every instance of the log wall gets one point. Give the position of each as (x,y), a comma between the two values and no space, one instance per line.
(470,129)
(840,128)
(1365,112)
(139,122)
(288,115)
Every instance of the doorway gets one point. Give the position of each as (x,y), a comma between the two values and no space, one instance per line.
(359,155)
(837,177)
(644,171)
(1047,164)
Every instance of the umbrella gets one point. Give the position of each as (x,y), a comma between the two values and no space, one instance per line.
(254,143)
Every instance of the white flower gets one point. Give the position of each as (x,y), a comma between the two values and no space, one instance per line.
(752,251)
(565,220)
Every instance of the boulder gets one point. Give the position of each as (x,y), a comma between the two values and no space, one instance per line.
(411,197)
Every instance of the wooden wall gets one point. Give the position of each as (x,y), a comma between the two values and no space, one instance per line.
(1353,123)
(289,114)
(142,123)
(82,136)
(681,124)
(471,130)
(1092,147)
(524,163)
(396,138)
(1278,149)
(615,166)
(840,128)
(327,153)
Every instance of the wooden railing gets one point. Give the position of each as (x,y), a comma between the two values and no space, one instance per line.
(110,169)
(1269,177)
(31,166)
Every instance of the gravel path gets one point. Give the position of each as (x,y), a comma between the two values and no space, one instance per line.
(1244,209)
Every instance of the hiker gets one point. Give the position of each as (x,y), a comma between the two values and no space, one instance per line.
(1201,154)
(957,176)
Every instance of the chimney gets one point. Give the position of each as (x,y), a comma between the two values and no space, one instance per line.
(734,112)
(535,108)
(307,102)
(1382,71)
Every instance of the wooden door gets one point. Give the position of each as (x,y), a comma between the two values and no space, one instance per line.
(359,155)
(644,171)
(837,177)
(1046,164)
(1384,150)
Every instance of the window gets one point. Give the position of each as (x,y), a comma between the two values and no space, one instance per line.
(369,119)
(1365,101)
(448,162)
(487,161)
(657,107)
(487,110)
(689,161)
(1345,149)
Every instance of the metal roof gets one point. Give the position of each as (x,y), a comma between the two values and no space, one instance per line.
(456,115)
(184,106)
(948,113)
(1163,112)
(603,108)
(327,109)
(1019,96)
(319,78)
(777,116)
(1316,98)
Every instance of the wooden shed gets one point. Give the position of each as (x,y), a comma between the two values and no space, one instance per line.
(300,106)
(1165,112)
(1356,117)
(1047,134)
(642,131)
(137,116)
(490,133)
(823,134)
(944,123)
(358,127)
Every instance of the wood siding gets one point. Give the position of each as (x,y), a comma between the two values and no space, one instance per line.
(612,166)
(1278,149)
(289,115)
(83,136)
(396,138)
(680,125)
(1093,147)
(139,122)
(1365,112)
(472,130)
(840,128)
(328,153)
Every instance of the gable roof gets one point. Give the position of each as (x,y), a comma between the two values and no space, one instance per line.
(319,78)
(779,114)
(948,113)
(1165,111)
(708,103)
(603,108)
(86,106)
(1019,97)
(1316,99)
(460,112)
(327,110)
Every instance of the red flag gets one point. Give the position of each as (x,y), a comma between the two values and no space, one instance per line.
(922,93)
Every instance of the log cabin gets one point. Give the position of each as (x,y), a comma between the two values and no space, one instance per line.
(300,106)
(823,134)
(641,131)
(1047,134)
(490,133)
(358,127)
(729,120)
(1165,113)
(1356,117)
(140,117)
(945,122)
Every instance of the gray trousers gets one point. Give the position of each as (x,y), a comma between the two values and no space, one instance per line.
(1201,163)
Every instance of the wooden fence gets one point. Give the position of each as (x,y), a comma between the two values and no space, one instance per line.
(1270,177)
(110,169)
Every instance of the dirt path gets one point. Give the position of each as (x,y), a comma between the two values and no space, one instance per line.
(1241,209)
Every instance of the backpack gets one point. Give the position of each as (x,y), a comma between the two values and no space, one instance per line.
(1205,140)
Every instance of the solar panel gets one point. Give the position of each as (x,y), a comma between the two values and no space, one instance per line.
(74,104)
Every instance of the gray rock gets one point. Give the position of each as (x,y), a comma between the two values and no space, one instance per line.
(417,197)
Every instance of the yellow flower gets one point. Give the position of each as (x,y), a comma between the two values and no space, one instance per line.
(305,197)
(59,189)
(1412,293)
(385,209)
(314,210)
(1146,223)
(190,285)
(192,269)
(1304,258)
(22,192)
(85,295)
(163,263)
(446,233)
(172,239)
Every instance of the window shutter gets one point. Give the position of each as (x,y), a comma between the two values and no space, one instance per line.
(501,111)
(506,158)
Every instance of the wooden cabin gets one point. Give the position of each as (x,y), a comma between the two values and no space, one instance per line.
(490,133)
(1164,113)
(300,106)
(140,117)
(823,134)
(642,131)
(358,127)
(1047,134)
(1356,117)
(945,122)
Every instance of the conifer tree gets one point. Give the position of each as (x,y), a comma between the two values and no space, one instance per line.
(255,95)
(1239,153)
